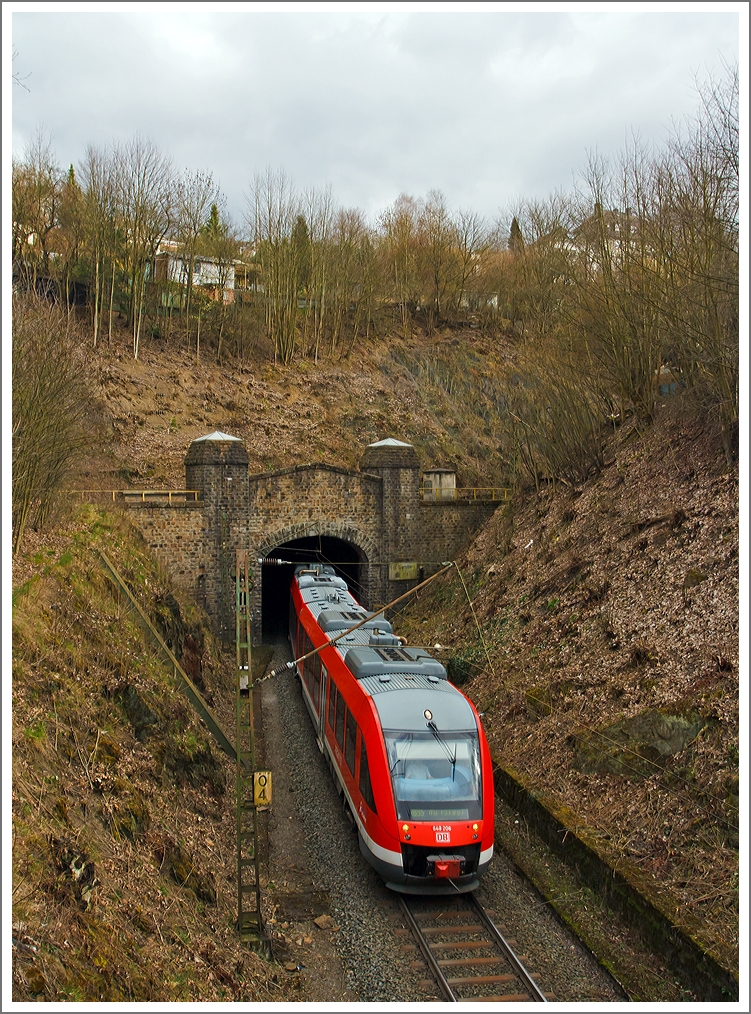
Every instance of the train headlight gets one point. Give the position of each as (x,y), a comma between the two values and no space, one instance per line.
(474,827)
(428,714)
(405,827)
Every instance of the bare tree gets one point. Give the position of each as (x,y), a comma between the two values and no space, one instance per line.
(399,227)
(220,243)
(472,243)
(272,213)
(195,194)
(437,256)
(319,218)
(147,197)
(50,399)
(97,213)
(37,187)
(699,253)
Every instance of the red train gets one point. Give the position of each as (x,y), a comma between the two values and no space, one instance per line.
(406,748)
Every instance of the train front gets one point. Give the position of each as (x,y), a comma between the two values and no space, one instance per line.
(441,780)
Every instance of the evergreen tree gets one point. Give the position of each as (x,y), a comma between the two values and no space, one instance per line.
(515,240)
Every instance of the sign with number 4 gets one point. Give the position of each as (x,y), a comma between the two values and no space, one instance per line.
(261,788)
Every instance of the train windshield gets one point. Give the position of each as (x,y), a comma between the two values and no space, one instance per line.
(436,775)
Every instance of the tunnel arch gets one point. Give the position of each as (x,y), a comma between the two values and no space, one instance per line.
(350,552)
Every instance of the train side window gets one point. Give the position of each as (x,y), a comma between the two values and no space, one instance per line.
(311,664)
(340,709)
(333,693)
(349,751)
(366,789)
(304,649)
(300,638)
(316,682)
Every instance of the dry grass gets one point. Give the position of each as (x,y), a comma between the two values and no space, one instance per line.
(584,601)
(123,831)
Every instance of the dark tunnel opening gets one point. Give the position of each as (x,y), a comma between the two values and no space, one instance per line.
(346,559)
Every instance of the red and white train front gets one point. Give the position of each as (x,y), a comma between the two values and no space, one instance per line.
(406,747)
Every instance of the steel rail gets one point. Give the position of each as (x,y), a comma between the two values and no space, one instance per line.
(493,940)
(427,953)
(519,970)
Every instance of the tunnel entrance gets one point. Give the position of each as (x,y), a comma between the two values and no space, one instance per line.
(348,561)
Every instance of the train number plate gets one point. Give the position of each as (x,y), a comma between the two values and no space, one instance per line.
(442,836)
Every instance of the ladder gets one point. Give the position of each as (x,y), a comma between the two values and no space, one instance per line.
(249,916)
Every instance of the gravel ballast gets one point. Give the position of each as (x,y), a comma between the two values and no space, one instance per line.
(320,844)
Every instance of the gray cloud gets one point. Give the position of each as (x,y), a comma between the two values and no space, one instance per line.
(486,106)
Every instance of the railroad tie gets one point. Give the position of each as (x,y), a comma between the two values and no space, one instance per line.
(471,962)
(480,980)
(506,998)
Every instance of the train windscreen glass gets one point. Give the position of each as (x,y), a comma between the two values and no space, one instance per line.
(436,775)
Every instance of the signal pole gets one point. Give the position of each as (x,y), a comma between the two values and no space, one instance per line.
(249,915)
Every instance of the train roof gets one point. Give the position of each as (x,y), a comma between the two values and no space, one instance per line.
(402,681)
(401,705)
(392,659)
(336,610)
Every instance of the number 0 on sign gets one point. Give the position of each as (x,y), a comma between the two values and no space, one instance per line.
(262,788)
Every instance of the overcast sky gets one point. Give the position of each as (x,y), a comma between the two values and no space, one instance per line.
(488,105)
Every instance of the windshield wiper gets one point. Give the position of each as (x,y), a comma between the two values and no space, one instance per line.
(451,757)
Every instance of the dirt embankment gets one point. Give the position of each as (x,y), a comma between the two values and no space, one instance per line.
(435,393)
(610,617)
(123,814)
(606,660)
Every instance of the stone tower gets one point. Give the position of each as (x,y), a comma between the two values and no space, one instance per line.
(217,465)
(398,466)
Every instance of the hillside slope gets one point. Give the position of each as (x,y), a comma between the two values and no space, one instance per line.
(435,393)
(123,813)
(610,617)
(606,659)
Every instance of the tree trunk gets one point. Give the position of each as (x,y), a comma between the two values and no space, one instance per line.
(96,298)
(112,300)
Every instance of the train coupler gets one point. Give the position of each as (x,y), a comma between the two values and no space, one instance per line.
(448,867)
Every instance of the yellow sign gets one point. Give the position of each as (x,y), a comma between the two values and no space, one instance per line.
(262,788)
(403,571)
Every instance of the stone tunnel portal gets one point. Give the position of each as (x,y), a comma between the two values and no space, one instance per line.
(348,561)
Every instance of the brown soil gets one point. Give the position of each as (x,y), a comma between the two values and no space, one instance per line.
(610,617)
(155,406)
(124,866)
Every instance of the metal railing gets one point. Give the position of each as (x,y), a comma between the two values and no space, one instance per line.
(448,493)
(139,495)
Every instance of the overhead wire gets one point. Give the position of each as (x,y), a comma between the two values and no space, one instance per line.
(688,787)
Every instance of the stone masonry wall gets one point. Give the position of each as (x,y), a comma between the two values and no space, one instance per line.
(310,500)
(378,511)
(176,533)
(447,526)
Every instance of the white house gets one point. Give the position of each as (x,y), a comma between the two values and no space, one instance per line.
(208,273)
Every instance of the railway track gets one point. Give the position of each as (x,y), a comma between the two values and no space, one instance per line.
(466,954)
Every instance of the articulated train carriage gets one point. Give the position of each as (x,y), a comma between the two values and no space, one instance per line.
(406,748)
